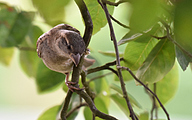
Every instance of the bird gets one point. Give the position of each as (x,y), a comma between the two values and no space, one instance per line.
(61,48)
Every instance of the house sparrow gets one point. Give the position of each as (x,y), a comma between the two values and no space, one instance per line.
(61,48)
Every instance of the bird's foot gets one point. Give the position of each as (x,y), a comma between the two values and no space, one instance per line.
(71,87)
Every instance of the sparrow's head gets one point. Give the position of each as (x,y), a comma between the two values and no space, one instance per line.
(70,44)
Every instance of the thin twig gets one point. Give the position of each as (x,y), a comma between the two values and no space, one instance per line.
(92,106)
(163,37)
(86,85)
(154,107)
(26,48)
(132,74)
(76,108)
(113,38)
(113,3)
(104,67)
(118,22)
(97,77)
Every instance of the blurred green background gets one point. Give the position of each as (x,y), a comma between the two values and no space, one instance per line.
(19,99)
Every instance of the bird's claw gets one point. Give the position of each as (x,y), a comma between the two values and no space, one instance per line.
(71,87)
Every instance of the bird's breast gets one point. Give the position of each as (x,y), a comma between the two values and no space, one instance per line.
(60,64)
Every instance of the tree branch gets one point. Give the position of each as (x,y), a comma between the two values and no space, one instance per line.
(87,36)
(92,106)
(132,74)
(113,38)
(104,67)
(63,114)
(76,108)
(86,85)
(97,77)
(87,20)
(154,107)
(77,70)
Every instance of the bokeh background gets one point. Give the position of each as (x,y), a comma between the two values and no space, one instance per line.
(19,99)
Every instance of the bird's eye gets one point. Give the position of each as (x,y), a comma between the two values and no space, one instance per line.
(69,47)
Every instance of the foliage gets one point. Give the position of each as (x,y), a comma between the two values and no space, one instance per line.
(159,34)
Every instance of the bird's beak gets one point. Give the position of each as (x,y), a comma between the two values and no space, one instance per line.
(75,58)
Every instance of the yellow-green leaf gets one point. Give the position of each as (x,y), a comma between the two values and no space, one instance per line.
(110,53)
(28,58)
(167,87)
(50,114)
(137,51)
(104,93)
(48,80)
(158,63)
(97,14)
(120,101)
(144,15)
(101,106)
(87,113)
(29,62)
(183,25)
(144,116)
(133,101)
(6,55)
(15,34)
(51,10)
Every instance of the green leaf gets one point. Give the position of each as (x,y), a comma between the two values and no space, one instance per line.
(48,80)
(144,15)
(7,18)
(8,15)
(6,54)
(33,35)
(100,105)
(95,85)
(15,30)
(75,101)
(144,116)
(52,11)
(120,101)
(137,51)
(183,25)
(182,58)
(50,114)
(130,36)
(110,53)
(133,101)
(29,62)
(29,59)
(167,87)
(158,63)
(87,113)
(191,65)
(104,91)
(97,14)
